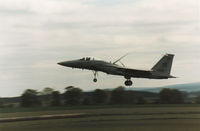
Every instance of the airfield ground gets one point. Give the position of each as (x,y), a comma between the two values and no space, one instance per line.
(106,118)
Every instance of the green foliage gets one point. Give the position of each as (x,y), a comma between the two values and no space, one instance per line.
(30,98)
(47,91)
(100,96)
(171,96)
(117,95)
(73,96)
(87,100)
(1,103)
(121,96)
(46,96)
(129,97)
(197,100)
(55,98)
(141,100)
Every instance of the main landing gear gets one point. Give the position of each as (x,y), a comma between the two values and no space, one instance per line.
(128,82)
(95,76)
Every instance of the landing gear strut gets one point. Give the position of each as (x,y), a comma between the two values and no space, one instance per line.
(128,82)
(95,76)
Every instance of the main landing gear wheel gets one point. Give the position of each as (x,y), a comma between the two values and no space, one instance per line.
(128,82)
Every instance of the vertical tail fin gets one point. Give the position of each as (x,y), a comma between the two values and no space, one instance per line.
(164,64)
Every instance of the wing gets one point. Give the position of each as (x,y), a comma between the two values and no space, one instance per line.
(135,73)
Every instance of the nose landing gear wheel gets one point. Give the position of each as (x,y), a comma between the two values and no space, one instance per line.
(95,79)
(95,76)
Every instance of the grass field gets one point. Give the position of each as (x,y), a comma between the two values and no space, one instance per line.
(108,118)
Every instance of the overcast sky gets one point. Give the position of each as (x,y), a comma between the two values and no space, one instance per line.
(36,34)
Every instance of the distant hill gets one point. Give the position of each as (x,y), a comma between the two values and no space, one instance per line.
(11,99)
(194,94)
(189,87)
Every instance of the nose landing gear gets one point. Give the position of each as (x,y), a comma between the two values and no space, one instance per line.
(95,76)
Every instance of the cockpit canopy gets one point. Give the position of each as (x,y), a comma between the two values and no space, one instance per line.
(88,59)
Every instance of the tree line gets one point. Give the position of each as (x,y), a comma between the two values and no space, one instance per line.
(74,96)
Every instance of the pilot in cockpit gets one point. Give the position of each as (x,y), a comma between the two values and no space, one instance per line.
(87,58)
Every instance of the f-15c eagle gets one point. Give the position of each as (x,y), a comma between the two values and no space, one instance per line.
(161,70)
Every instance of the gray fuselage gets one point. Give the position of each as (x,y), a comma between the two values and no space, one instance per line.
(96,65)
(161,70)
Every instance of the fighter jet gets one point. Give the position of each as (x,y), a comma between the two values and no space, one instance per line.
(161,70)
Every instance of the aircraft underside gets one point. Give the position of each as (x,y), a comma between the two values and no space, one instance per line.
(129,75)
(128,81)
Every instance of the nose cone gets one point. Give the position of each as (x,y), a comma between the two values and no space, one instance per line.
(61,63)
(67,63)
